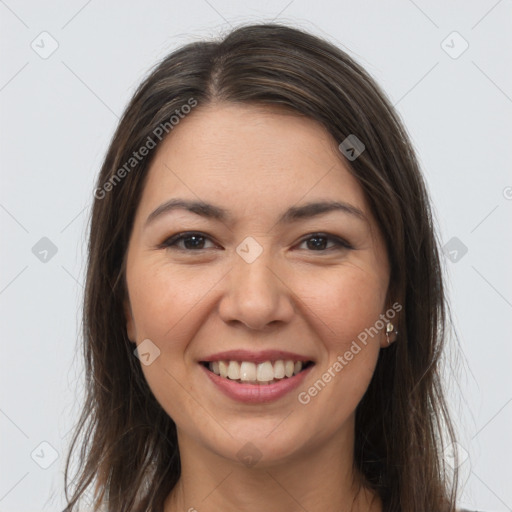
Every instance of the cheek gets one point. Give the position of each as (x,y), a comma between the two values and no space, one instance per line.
(168,309)
(164,300)
(345,305)
(345,308)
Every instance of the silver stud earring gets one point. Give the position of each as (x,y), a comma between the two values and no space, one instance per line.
(389,328)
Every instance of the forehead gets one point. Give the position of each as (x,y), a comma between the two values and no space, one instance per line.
(251,156)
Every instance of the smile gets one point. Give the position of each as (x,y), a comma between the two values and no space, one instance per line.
(256,382)
(265,373)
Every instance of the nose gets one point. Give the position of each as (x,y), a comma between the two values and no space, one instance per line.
(256,295)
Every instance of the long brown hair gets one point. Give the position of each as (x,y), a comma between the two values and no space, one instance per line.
(129,451)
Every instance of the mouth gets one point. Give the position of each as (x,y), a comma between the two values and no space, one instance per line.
(258,374)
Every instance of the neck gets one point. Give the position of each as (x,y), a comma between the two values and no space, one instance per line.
(322,479)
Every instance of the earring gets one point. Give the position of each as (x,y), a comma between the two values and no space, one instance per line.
(389,328)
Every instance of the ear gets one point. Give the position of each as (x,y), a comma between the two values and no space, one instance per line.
(130,323)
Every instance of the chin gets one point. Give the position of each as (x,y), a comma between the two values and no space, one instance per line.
(259,444)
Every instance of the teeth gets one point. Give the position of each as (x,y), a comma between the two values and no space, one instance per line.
(233,370)
(247,371)
(279,370)
(263,373)
(223,369)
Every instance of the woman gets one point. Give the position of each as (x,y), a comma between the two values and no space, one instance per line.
(264,309)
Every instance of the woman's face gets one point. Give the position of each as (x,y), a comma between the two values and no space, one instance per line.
(267,277)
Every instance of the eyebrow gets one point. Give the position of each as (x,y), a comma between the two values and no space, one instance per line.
(293,213)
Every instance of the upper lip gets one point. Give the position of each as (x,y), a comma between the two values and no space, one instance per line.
(255,357)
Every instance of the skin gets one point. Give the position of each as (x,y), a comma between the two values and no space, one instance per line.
(256,163)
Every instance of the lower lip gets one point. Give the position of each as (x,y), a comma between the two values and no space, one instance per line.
(256,393)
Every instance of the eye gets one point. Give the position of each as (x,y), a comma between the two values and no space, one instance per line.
(192,241)
(319,242)
(195,241)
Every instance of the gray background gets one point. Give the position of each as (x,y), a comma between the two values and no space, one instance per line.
(59,110)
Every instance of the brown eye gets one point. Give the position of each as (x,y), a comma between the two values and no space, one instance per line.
(187,241)
(319,242)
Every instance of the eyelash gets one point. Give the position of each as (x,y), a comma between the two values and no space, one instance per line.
(171,242)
